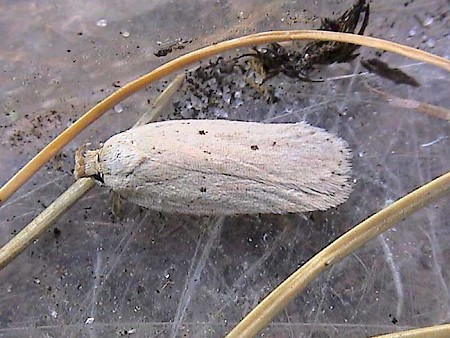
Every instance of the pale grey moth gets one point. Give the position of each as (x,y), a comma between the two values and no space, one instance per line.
(218,167)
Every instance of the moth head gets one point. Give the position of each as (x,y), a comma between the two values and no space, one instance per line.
(87,163)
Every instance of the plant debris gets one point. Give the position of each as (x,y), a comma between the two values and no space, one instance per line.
(226,81)
(396,75)
(177,45)
(275,59)
(328,52)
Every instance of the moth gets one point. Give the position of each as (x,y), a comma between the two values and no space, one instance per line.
(221,167)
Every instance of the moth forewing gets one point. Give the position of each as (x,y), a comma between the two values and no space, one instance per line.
(219,167)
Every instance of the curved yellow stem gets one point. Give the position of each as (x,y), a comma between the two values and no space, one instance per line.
(437,331)
(260,316)
(24,174)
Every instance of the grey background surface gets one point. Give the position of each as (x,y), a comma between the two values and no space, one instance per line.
(160,275)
